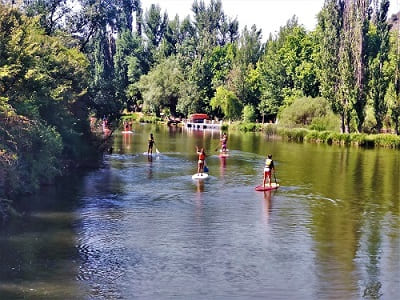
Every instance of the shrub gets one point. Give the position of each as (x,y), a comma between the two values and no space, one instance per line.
(224,127)
(387,140)
(329,122)
(249,114)
(307,111)
(270,129)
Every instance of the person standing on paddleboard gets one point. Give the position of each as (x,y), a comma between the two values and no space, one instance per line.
(269,167)
(151,143)
(201,161)
(224,141)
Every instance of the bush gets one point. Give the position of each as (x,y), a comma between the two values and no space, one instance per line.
(386,140)
(270,129)
(246,127)
(224,127)
(307,111)
(329,122)
(296,134)
(249,114)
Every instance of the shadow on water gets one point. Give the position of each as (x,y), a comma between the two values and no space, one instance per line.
(38,254)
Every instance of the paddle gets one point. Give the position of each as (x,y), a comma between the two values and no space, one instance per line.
(158,152)
(275,178)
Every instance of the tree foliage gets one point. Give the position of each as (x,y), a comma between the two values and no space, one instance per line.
(227,102)
(43,102)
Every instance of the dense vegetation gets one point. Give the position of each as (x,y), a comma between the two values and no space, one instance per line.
(61,63)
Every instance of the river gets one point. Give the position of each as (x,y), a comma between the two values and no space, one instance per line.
(142,228)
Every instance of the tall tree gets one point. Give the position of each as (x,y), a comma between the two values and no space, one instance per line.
(393,71)
(344,26)
(378,52)
(329,30)
(250,46)
(50,12)
(155,25)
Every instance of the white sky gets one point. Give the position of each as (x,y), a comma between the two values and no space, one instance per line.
(269,15)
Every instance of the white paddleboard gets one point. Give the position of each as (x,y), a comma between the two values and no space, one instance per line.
(145,153)
(200,176)
(126,131)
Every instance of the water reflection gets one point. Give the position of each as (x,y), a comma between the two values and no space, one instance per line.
(200,186)
(126,141)
(267,205)
(222,168)
(149,166)
(141,227)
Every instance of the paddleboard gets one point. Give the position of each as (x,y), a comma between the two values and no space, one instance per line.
(223,153)
(273,186)
(145,153)
(200,176)
(126,131)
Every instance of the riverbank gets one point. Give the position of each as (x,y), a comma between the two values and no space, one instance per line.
(300,135)
(327,137)
(31,156)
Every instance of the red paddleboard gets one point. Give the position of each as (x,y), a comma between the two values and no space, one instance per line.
(224,153)
(273,186)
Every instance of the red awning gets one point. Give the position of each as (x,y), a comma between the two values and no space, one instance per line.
(198,117)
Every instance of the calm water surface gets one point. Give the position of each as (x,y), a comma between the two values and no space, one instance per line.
(140,228)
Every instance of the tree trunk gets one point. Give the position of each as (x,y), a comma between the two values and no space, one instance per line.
(342,125)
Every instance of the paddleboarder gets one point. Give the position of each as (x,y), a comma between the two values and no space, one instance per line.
(268,168)
(224,140)
(201,161)
(151,143)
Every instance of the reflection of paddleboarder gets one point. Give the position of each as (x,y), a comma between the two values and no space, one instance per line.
(269,167)
(223,164)
(150,166)
(267,204)
(200,186)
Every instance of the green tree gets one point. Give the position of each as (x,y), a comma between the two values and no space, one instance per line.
(155,25)
(227,102)
(160,87)
(189,101)
(392,68)
(250,46)
(129,64)
(50,12)
(378,53)
(249,113)
(343,27)
(43,102)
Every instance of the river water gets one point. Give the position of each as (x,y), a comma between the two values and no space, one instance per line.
(142,228)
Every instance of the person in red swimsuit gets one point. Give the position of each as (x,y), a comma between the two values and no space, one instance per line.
(201,161)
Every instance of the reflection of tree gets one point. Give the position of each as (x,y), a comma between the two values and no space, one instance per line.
(348,233)
(38,253)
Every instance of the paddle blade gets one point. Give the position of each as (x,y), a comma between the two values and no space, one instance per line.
(205,169)
(158,152)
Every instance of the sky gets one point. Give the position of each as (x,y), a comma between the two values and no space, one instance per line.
(268,15)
